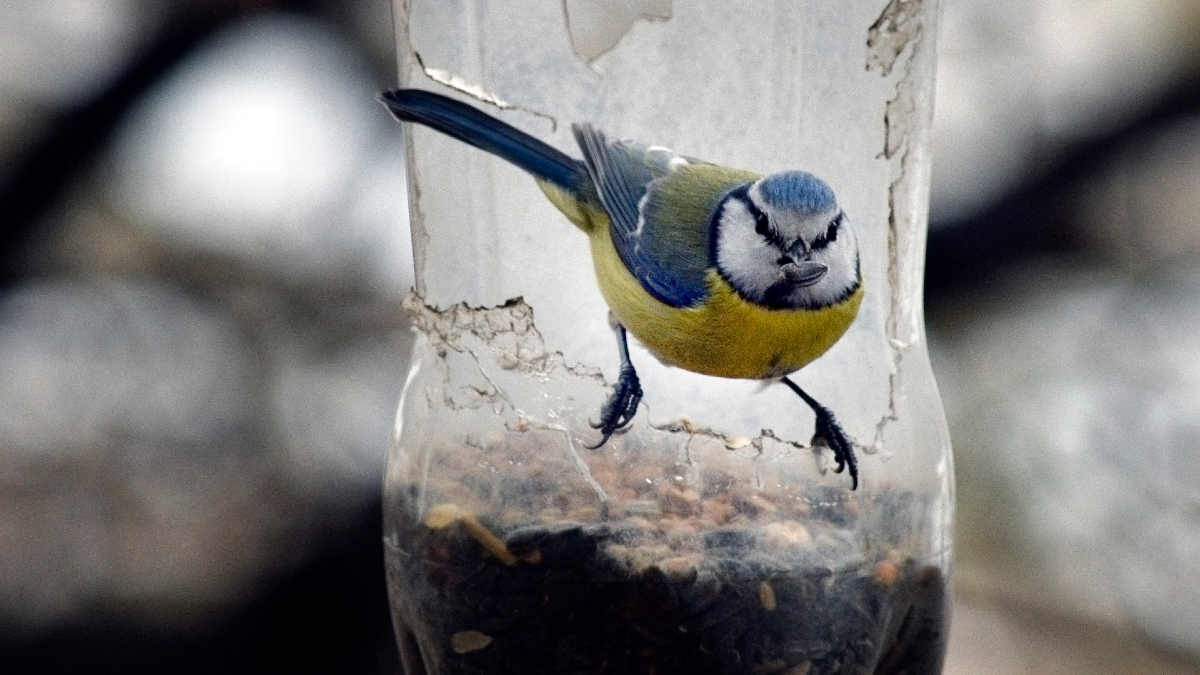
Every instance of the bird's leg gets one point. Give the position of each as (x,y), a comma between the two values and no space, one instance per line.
(830,432)
(621,406)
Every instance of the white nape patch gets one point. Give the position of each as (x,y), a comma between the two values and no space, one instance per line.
(664,158)
(755,195)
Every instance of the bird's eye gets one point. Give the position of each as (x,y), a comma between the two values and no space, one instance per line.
(760,224)
(829,235)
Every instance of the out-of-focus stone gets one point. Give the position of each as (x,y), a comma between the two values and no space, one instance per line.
(335,411)
(200,393)
(1020,81)
(159,455)
(266,146)
(64,52)
(371,22)
(1140,206)
(1077,445)
(84,364)
(126,470)
(1000,639)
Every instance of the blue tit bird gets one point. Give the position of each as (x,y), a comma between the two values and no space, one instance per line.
(715,270)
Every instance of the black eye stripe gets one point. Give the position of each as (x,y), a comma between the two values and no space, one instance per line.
(830,233)
(762,224)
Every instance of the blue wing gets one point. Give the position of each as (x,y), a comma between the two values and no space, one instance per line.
(668,255)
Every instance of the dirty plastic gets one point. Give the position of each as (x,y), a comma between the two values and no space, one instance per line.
(713,535)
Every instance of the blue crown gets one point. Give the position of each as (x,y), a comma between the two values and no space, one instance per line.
(798,191)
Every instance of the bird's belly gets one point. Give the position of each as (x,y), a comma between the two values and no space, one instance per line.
(724,336)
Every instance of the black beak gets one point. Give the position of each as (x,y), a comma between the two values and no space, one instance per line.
(804,273)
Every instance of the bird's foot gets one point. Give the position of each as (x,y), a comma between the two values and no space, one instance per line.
(830,434)
(621,406)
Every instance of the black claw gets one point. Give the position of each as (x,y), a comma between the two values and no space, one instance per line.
(834,437)
(830,434)
(621,406)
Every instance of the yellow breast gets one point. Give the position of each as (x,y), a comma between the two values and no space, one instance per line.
(726,336)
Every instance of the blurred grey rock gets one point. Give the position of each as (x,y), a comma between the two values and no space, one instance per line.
(1073,401)
(198,394)
(84,363)
(160,454)
(55,55)
(62,53)
(371,22)
(267,147)
(126,470)
(335,411)
(201,391)
(1140,207)
(1018,81)
(1002,639)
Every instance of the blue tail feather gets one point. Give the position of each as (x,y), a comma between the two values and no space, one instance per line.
(470,125)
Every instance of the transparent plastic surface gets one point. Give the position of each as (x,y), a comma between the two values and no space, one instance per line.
(713,535)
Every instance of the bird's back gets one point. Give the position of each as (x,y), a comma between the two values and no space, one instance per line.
(660,207)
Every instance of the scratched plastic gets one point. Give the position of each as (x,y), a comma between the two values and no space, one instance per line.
(711,536)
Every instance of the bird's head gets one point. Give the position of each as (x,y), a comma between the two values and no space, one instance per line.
(783,242)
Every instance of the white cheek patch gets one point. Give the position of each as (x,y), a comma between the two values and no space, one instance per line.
(744,257)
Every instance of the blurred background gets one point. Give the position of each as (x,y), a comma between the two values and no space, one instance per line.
(203,249)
